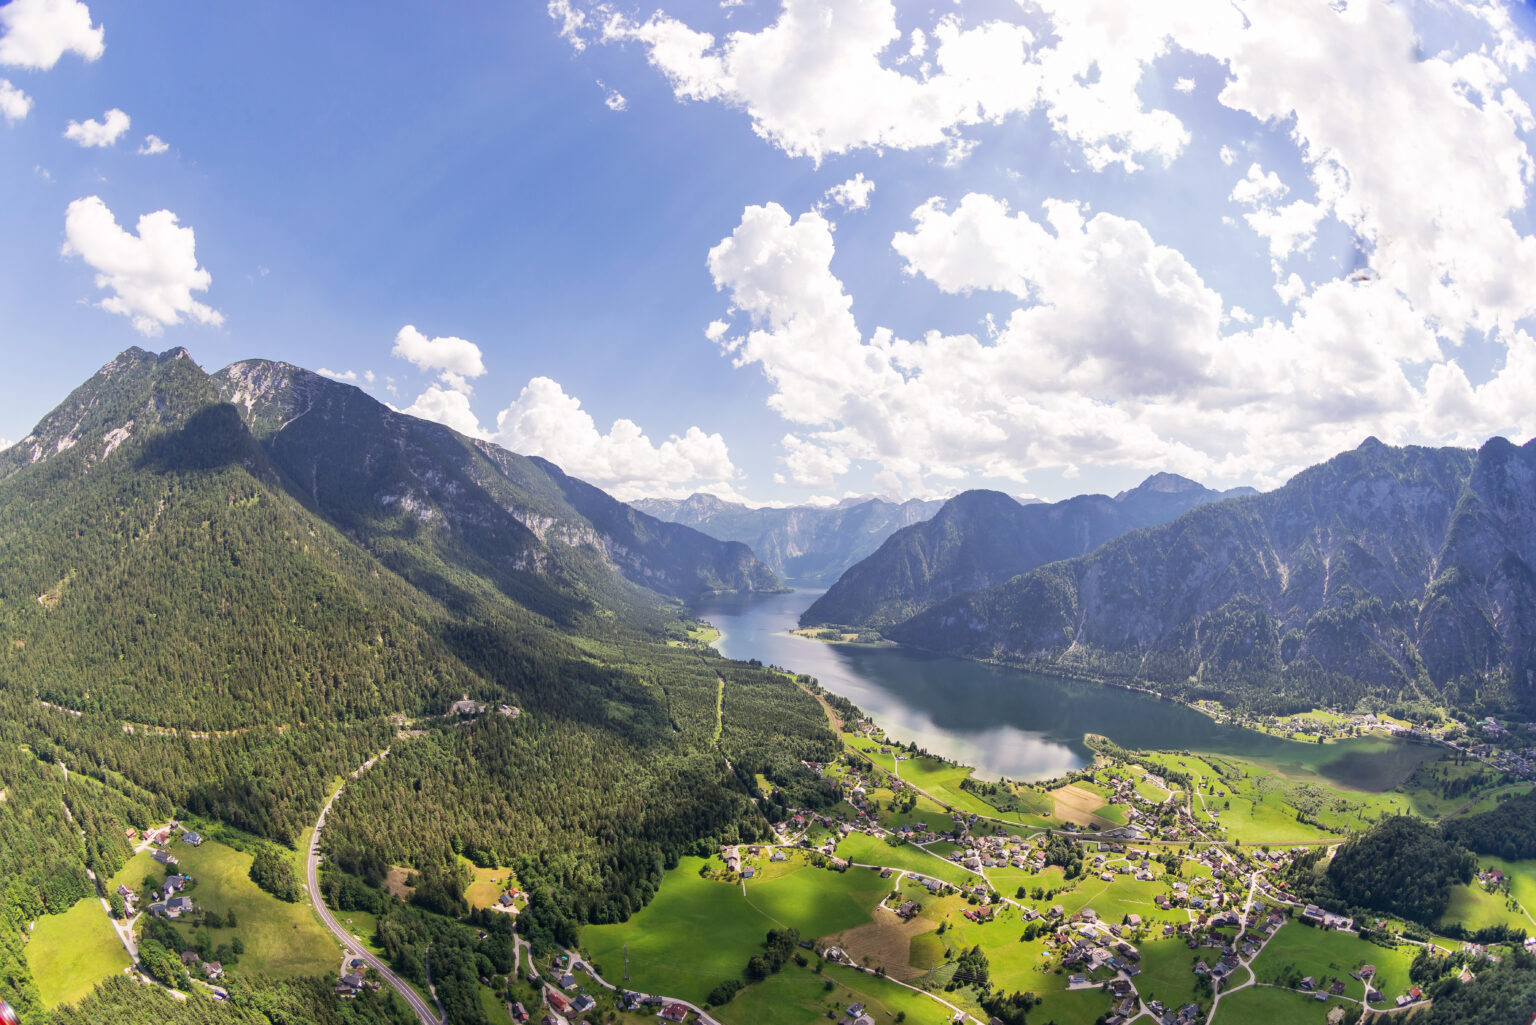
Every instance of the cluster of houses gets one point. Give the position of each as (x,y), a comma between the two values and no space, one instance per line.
(194,963)
(1188,1014)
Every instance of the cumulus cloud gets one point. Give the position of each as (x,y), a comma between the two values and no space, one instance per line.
(613,99)
(852,194)
(782,75)
(1117,354)
(153,145)
(151,274)
(92,133)
(338,375)
(5,443)
(456,359)
(14,104)
(449,407)
(545,421)
(39,32)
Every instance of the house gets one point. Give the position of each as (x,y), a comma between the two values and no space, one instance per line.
(777,855)
(583,1004)
(191,957)
(174,883)
(178,906)
(213,970)
(567,981)
(519,1014)
(505,900)
(350,986)
(191,839)
(674,1012)
(557,1001)
(748,872)
(164,858)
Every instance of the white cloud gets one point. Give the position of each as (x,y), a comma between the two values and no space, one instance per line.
(1258,187)
(1184,85)
(14,104)
(153,145)
(39,32)
(1115,356)
(449,407)
(811,464)
(545,421)
(151,275)
(1228,155)
(455,359)
(852,194)
(613,99)
(93,133)
(782,75)
(338,375)
(572,20)
(5,443)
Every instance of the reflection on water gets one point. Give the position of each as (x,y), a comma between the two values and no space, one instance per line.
(1017,724)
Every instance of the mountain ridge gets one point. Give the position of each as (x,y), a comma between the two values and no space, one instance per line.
(809,545)
(1383,570)
(980,538)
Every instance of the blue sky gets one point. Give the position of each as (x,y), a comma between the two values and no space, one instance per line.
(1225,239)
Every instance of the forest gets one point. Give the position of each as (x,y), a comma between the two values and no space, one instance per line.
(185,631)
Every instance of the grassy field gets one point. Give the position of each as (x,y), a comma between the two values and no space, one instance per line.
(801,996)
(698,932)
(1167,972)
(72,952)
(942,780)
(281,939)
(488,885)
(1476,908)
(1522,882)
(1273,1007)
(869,850)
(1325,954)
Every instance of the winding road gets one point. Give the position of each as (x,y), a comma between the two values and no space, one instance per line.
(355,949)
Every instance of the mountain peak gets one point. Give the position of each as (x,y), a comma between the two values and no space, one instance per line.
(1164,483)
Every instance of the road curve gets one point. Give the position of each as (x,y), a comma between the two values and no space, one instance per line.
(354,949)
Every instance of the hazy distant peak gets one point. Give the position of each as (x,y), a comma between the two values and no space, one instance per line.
(1164,483)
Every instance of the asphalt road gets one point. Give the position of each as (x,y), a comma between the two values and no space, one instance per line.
(423,1010)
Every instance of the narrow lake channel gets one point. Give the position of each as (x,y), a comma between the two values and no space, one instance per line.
(1025,726)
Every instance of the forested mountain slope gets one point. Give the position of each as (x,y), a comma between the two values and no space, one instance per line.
(421,496)
(1391,571)
(981,538)
(808,545)
(224,606)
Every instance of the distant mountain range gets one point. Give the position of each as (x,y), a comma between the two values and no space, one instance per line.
(981,538)
(807,545)
(1400,572)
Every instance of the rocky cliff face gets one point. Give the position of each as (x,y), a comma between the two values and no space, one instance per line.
(808,545)
(981,538)
(1387,571)
(406,486)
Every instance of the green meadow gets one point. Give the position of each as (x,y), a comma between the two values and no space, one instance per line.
(281,939)
(800,996)
(864,849)
(72,952)
(1273,1007)
(698,932)
(1325,954)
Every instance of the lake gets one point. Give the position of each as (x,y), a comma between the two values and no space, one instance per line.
(1021,725)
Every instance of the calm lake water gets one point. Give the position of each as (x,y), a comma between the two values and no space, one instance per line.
(1016,724)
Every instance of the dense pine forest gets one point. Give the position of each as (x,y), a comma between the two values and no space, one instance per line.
(187,627)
